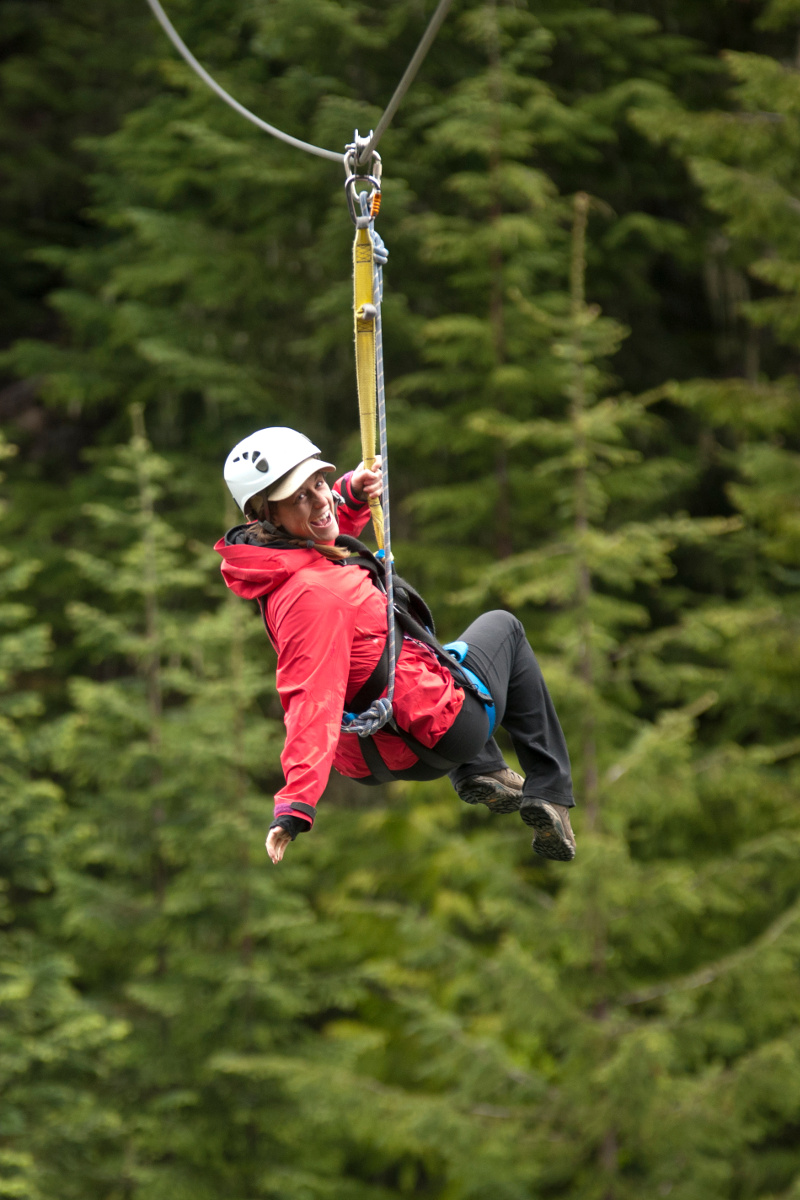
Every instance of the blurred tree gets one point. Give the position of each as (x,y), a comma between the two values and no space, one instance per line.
(54,1042)
(410,1006)
(242,1072)
(67,71)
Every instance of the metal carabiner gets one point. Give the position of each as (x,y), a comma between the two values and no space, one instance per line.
(352,196)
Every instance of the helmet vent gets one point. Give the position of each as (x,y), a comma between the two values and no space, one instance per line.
(262,465)
(244,455)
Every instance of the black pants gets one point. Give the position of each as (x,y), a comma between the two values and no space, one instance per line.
(500,655)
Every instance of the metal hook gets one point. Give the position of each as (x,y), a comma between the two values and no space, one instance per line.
(351,192)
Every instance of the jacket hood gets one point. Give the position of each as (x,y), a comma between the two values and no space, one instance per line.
(252,570)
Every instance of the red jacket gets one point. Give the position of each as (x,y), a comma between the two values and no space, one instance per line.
(328,623)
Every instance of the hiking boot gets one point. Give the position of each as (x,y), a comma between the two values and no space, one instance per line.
(500,791)
(552,836)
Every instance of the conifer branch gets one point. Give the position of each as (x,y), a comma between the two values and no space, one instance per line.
(713,971)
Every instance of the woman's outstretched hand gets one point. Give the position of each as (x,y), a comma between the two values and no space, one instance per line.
(367,484)
(277,841)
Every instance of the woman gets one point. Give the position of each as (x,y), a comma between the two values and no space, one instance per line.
(328,625)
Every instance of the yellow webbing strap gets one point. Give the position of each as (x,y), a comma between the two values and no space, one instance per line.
(365,313)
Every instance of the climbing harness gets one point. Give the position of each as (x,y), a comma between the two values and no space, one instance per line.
(459,651)
(409,616)
(370,145)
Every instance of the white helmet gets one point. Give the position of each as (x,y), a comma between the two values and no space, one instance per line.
(265,457)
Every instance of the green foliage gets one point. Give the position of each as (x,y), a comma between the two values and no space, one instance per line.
(591,324)
(53,1039)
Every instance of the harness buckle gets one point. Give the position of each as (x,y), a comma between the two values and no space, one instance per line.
(459,651)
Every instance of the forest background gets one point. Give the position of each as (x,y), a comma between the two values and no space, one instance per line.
(592,326)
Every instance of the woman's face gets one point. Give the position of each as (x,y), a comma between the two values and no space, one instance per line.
(309,513)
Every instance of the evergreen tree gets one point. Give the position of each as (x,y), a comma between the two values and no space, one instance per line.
(244,1070)
(67,72)
(409,1005)
(54,1043)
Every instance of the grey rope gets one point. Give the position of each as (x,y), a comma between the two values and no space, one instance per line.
(391,108)
(186,54)
(408,78)
(379,712)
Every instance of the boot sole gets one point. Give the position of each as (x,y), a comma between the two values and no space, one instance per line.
(549,839)
(497,799)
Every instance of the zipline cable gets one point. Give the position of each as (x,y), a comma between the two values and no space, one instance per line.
(408,78)
(391,108)
(187,55)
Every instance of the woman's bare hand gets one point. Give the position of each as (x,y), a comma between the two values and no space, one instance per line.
(367,483)
(277,841)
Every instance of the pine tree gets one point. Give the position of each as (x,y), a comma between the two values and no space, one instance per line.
(55,1043)
(241,986)
(67,72)
(410,1006)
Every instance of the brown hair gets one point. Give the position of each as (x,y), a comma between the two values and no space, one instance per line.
(277,537)
(268,535)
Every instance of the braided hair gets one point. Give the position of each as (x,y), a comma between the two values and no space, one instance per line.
(276,537)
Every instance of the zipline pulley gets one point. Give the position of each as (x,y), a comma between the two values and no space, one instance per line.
(354,176)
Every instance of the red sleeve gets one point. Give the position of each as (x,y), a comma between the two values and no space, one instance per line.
(314,629)
(352,514)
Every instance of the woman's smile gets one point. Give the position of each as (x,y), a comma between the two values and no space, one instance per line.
(310,512)
(322,522)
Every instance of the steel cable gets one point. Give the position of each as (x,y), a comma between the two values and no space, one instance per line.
(187,55)
(407,79)
(388,113)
